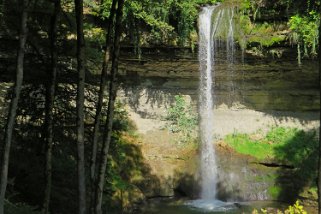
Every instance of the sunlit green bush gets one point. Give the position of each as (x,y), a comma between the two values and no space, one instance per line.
(297,208)
(182,120)
(305,33)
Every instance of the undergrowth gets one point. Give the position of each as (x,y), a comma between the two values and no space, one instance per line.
(297,208)
(182,119)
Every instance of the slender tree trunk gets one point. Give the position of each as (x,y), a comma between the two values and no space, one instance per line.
(80,107)
(1,12)
(50,97)
(13,105)
(103,81)
(110,111)
(319,168)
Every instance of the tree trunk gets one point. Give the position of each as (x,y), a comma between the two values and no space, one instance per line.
(103,81)
(50,97)
(319,168)
(80,107)
(110,111)
(13,104)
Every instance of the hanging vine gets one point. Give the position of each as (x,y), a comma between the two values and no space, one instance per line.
(304,33)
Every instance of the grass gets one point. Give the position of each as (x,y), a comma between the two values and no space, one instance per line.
(287,146)
(274,191)
(243,144)
(280,143)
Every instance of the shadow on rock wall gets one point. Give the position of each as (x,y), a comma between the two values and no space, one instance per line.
(264,85)
(291,175)
(300,155)
(148,102)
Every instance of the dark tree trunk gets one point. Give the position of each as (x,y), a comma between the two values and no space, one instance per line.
(110,111)
(80,107)
(319,168)
(13,104)
(50,97)
(103,85)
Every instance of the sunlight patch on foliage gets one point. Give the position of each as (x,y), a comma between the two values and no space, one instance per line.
(271,145)
(182,119)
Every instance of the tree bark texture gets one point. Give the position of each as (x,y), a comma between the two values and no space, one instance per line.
(50,97)
(110,111)
(102,88)
(13,105)
(80,107)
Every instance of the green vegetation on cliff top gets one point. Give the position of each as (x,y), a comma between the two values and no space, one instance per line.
(260,23)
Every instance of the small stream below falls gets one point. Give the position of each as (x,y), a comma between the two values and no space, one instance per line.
(187,207)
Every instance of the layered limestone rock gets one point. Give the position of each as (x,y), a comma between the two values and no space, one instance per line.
(252,94)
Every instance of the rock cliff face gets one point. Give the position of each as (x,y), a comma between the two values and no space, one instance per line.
(240,177)
(254,93)
(251,94)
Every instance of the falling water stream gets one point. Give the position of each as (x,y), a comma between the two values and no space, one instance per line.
(208,163)
(212,29)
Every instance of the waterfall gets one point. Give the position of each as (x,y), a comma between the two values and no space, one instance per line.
(206,56)
(215,26)
(215,32)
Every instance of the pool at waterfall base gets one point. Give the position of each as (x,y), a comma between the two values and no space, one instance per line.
(211,205)
(198,206)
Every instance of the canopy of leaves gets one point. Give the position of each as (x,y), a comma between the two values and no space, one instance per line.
(305,31)
(164,19)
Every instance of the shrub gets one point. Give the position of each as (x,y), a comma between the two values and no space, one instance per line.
(182,120)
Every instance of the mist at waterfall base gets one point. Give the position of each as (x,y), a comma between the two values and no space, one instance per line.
(215,24)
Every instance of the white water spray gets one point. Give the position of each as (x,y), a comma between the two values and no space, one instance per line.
(206,56)
(215,26)
(215,29)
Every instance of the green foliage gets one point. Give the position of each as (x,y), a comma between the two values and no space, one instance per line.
(305,33)
(251,33)
(245,144)
(169,21)
(245,5)
(125,171)
(303,25)
(121,122)
(147,11)
(271,145)
(186,13)
(274,191)
(182,120)
(174,22)
(297,208)
(126,167)
(296,146)
(101,11)
(280,135)
(94,34)
(294,149)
